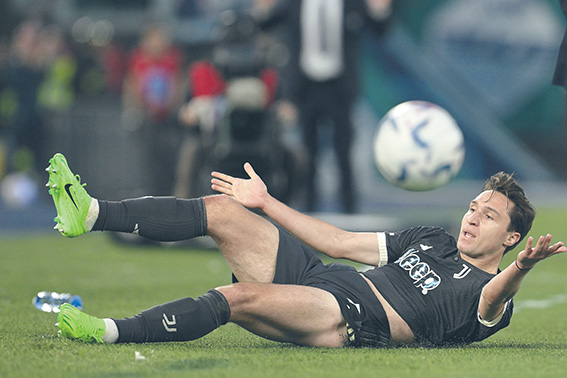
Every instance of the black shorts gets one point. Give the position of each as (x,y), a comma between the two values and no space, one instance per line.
(297,264)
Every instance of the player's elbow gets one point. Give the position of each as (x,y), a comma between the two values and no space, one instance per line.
(335,247)
(334,251)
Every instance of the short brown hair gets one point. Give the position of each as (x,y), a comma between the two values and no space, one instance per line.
(522,214)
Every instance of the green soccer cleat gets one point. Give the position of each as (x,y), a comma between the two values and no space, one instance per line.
(70,197)
(75,324)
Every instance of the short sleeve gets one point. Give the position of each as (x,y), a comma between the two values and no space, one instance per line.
(397,243)
(487,329)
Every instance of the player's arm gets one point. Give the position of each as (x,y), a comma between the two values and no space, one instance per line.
(324,237)
(506,284)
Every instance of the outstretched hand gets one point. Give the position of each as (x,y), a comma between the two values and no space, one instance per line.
(250,192)
(542,250)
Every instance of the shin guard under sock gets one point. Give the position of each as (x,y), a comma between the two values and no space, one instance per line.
(155,218)
(181,320)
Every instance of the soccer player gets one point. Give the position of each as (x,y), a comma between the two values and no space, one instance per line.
(426,288)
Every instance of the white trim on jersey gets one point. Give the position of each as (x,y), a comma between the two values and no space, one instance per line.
(382,248)
(496,320)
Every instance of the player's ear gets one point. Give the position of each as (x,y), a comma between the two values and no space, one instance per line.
(513,238)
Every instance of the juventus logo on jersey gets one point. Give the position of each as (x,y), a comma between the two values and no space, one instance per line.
(463,273)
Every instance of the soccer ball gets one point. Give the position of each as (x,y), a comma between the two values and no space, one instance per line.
(418,146)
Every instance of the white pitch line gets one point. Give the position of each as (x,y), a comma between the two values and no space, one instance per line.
(540,304)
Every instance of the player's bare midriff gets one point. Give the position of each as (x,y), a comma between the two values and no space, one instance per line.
(400,332)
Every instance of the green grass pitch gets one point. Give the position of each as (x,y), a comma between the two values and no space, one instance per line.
(116,280)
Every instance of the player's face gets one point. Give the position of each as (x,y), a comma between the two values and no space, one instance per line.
(484,226)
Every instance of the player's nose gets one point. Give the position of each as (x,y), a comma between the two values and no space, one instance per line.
(472,218)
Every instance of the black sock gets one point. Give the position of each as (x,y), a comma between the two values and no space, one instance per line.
(181,320)
(155,218)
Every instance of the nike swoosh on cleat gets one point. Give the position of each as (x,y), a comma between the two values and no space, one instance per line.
(67,186)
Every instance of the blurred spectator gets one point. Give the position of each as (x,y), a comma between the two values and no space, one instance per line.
(56,92)
(154,70)
(560,74)
(8,18)
(322,74)
(188,9)
(5,108)
(101,57)
(24,75)
(153,89)
(228,114)
(199,117)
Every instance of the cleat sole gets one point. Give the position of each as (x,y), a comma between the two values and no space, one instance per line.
(72,204)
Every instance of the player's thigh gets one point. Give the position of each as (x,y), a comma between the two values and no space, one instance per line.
(248,241)
(289,313)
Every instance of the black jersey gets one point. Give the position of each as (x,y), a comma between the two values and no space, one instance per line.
(436,292)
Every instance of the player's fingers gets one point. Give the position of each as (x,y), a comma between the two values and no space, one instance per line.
(222,176)
(547,241)
(216,181)
(249,170)
(529,244)
(535,247)
(221,189)
(558,247)
(562,249)
(221,183)
(539,244)
(543,243)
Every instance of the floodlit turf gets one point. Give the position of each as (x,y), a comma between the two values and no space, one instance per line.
(117,280)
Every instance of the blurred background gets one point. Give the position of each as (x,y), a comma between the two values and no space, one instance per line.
(149,96)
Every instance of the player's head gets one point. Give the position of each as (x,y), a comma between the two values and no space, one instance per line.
(519,208)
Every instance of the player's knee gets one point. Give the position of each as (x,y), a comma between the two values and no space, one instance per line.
(225,216)
(221,205)
(241,297)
